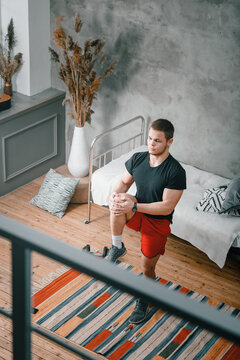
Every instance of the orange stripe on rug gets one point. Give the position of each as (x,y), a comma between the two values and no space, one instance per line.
(158,357)
(68,326)
(98,339)
(102,299)
(58,297)
(121,350)
(218,350)
(233,353)
(54,286)
(184,290)
(162,281)
(212,302)
(182,336)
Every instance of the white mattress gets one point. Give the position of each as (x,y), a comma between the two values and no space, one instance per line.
(212,233)
(105,178)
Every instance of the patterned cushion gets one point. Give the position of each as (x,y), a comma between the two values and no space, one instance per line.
(213,199)
(232,199)
(55,193)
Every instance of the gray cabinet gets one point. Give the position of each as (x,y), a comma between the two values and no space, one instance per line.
(32,134)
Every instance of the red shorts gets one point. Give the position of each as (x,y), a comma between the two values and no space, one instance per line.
(153,231)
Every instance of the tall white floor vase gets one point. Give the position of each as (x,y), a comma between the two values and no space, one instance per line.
(78,162)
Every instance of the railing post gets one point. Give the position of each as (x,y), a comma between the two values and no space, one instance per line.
(21,290)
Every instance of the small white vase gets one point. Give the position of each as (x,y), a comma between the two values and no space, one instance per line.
(78,162)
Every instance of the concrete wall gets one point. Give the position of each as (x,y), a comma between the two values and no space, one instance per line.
(178,59)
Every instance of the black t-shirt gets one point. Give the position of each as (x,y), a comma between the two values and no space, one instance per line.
(151,181)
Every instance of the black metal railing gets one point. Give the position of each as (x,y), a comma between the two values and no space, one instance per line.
(25,240)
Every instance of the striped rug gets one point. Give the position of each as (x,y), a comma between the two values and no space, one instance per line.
(95,315)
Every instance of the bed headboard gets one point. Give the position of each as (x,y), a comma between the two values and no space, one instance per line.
(131,141)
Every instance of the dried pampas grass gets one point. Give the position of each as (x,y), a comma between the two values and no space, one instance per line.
(76,69)
(9,64)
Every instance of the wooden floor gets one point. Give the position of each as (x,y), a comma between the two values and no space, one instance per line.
(182,263)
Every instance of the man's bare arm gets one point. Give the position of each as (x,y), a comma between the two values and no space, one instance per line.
(124,184)
(164,207)
(170,199)
(119,192)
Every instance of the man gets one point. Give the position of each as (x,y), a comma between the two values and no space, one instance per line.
(160,181)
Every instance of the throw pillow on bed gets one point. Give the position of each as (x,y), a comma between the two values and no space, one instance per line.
(55,193)
(232,198)
(213,199)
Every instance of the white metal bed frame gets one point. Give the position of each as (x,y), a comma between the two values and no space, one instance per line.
(101,159)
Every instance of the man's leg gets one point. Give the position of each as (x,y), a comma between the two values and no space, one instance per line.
(117,223)
(148,266)
(141,309)
(153,240)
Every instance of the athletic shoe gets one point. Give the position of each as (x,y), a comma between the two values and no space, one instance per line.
(139,313)
(115,253)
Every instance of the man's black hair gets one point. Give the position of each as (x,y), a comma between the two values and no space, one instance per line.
(165,126)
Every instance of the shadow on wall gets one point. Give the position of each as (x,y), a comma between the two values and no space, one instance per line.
(125,50)
(124,47)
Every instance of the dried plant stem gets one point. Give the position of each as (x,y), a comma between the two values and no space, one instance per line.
(9,65)
(76,69)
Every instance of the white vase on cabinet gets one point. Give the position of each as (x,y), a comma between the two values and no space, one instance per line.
(78,161)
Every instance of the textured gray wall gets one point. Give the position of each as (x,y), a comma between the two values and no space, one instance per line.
(178,59)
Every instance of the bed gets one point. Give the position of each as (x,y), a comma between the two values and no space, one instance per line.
(212,233)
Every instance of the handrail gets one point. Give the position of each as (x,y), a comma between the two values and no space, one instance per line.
(100,136)
(25,240)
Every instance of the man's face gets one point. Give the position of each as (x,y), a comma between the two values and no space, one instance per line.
(157,143)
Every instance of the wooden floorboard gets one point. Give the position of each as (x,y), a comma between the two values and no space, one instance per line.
(182,263)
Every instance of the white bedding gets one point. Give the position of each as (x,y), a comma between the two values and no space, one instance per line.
(105,178)
(212,233)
